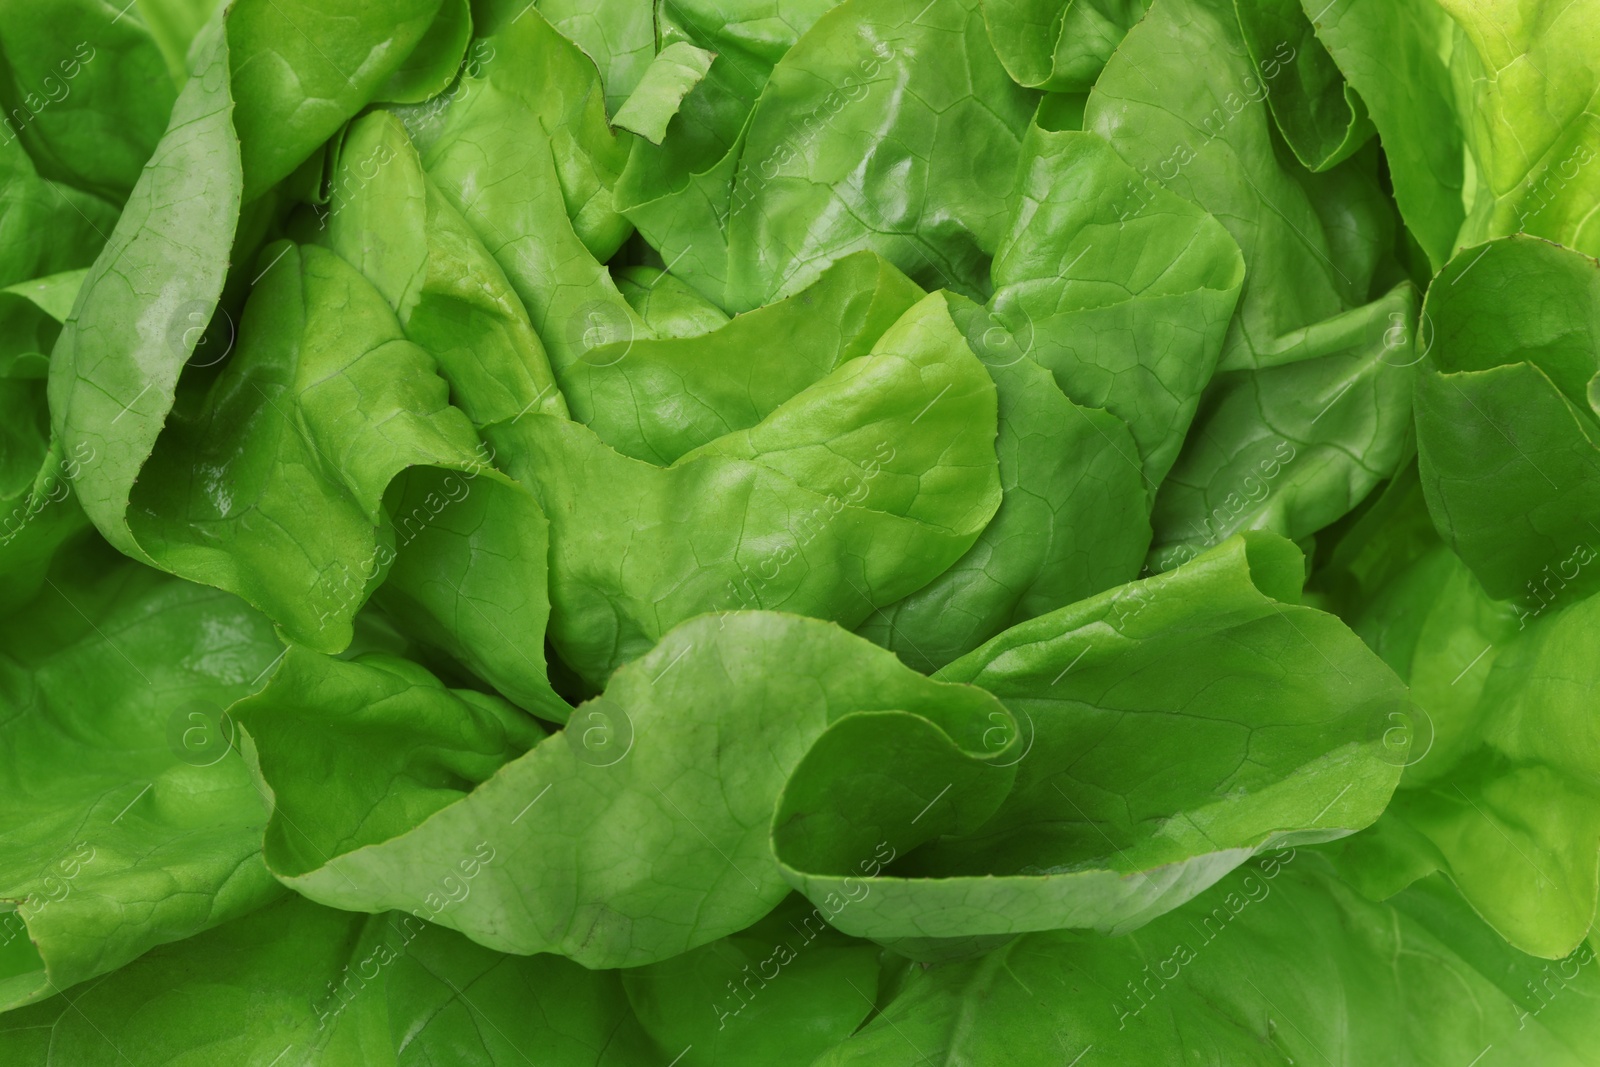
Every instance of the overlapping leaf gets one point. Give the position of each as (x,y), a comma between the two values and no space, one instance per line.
(1309,410)
(131,823)
(998,566)
(852,493)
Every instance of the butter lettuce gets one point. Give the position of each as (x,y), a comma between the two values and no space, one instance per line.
(799,533)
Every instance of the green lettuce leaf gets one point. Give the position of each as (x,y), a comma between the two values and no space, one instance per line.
(782,992)
(1308,412)
(1292,448)
(680,193)
(1126,301)
(302,68)
(1541,181)
(296,985)
(867,758)
(1486,114)
(1163,685)
(130,821)
(1323,120)
(388,220)
(302,540)
(890,125)
(619,35)
(1059,45)
(115,368)
(857,490)
(37,512)
(1072,519)
(656,399)
(1280,964)
(1310,242)
(640,831)
(520,147)
(661,89)
(438,56)
(1508,414)
(85,89)
(669,306)
(289,483)
(77,222)
(175,24)
(1502,794)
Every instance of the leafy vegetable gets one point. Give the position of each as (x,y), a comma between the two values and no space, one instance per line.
(1510,88)
(132,824)
(1059,44)
(1071,520)
(1095,709)
(852,493)
(1316,380)
(300,69)
(1508,441)
(807,188)
(799,532)
(630,795)
(297,980)
(666,81)
(1353,992)
(57,56)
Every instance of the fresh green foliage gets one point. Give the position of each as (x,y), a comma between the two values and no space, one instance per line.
(1508,412)
(1280,944)
(667,80)
(131,823)
(606,533)
(1059,44)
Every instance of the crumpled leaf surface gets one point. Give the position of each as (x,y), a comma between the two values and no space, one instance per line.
(798,533)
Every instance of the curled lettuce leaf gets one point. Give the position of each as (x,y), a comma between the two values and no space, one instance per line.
(652,807)
(666,81)
(290,483)
(619,35)
(114,371)
(1396,56)
(387,218)
(940,817)
(1162,684)
(1508,414)
(300,539)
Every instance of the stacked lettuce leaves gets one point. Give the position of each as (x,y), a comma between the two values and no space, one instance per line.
(605,532)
